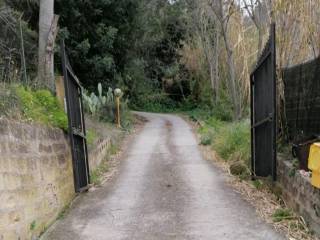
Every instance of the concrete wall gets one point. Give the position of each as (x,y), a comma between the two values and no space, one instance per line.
(299,194)
(36,178)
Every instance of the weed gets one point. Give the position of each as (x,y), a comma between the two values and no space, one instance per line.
(294,168)
(206,140)
(91,136)
(62,213)
(239,169)
(282,214)
(97,174)
(292,172)
(258,184)
(41,106)
(113,149)
(295,163)
(33,225)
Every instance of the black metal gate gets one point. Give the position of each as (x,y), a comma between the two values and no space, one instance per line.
(263,111)
(77,131)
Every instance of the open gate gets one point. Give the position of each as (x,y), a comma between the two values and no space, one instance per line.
(263,111)
(77,131)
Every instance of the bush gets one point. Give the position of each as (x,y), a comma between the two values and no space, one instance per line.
(206,139)
(155,102)
(41,106)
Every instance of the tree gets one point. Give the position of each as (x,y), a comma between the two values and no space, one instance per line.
(255,10)
(208,31)
(47,32)
(98,36)
(223,11)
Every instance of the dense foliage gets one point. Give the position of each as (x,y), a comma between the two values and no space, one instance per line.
(168,54)
(129,44)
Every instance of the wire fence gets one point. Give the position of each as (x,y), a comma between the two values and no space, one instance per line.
(302,99)
(17,43)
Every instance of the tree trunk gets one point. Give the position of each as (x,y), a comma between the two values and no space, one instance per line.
(260,36)
(212,81)
(235,95)
(45,58)
(216,66)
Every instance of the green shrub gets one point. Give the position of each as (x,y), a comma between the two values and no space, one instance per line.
(41,106)
(155,102)
(206,139)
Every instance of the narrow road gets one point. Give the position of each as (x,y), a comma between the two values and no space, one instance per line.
(164,190)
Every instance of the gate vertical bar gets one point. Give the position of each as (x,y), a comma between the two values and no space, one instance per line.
(66,86)
(252,123)
(275,87)
(85,139)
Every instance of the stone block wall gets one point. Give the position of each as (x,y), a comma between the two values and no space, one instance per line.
(36,178)
(299,194)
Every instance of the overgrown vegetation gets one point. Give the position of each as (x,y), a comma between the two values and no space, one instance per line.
(163,54)
(231,140)
(25,103)
(42,106)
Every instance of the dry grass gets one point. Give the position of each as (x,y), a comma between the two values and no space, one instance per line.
(265,202)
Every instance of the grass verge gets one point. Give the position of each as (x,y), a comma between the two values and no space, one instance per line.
(231,142)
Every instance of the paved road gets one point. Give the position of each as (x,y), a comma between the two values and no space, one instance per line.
(164,190)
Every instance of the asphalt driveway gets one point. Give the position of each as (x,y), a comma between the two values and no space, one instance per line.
(164,190)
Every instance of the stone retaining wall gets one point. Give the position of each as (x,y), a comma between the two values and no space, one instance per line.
(99,153)
(299,194)
(36,178)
